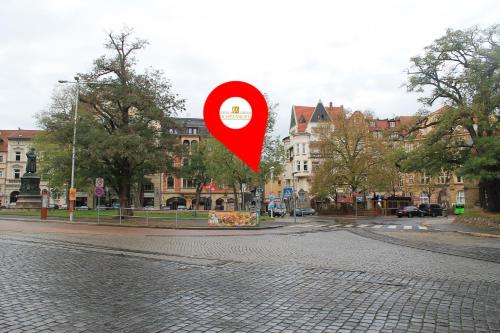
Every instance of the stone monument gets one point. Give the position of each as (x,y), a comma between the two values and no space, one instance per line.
(29,193)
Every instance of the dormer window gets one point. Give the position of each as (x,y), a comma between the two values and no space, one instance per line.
(192,130)
(392,124)
(302,119)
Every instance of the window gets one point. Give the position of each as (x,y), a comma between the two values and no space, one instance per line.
(460,197)
(194,145)
(298,165)
(410,179)
(392,124)
(1,158)
(401,180)
(459,179)
(18,155)
(170,182)
(1,173)
(424,179)
(443,179)
(303,149)
(192,130)
(306,163)
(409,147)
(17,173)
(372,123)
(148,188)
(186,144)
(315,166)
(187,183)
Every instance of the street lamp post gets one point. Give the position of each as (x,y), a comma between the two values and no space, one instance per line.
(77,96)
(272,180)
(294,198)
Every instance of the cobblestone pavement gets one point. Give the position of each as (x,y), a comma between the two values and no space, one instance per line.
(326,281)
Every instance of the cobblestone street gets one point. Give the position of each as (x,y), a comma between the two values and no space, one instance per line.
(326,280)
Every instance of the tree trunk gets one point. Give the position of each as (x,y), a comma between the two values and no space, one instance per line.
(489,191)
(125,197)
(236,202)
(198,195)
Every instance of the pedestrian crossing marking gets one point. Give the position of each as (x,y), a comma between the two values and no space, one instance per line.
(422,228)
(377,226)
(407,227)
(348,226)
(362,225)
(392,226)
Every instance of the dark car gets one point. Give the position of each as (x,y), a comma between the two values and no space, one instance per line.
(432,210)
(409,211)
(298,212)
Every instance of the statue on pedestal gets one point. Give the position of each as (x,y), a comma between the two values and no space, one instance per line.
(30,182)
(31,165)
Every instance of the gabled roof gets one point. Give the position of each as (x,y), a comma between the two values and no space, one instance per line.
(303,115)
(306,114)
(5,135)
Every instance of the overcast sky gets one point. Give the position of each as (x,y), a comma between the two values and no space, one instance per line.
(352,53)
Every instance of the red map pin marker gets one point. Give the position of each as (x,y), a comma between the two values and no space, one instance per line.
(236,114)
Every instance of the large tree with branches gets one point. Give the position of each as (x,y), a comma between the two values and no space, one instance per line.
(461,71)
(124,117)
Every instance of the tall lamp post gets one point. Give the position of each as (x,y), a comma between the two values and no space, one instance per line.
(294,196)
(77,96)
(272,180)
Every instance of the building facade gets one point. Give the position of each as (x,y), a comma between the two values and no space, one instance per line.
(176,191)
(14,144)
(302,160)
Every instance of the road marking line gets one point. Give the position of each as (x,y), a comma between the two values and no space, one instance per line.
(348,226)
(318,226)
(363,225)
(422,228)
(377,226)
(408,227)
(392,226)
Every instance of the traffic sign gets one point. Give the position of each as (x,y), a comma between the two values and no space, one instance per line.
(287,192)
(99,192)
(99,182)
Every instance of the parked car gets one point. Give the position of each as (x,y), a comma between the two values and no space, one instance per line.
(102,208)
(298,212)
(278,212)
(115,205)
(53,206)
(165,208)
(12,205)
(149,207)
(432,210)
(82,208)
(63,206)
(308,211)
(181,207)
(409,211)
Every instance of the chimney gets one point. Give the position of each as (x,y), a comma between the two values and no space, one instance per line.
(331,104)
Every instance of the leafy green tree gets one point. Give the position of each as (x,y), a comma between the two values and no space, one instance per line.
(461,70)
(352,157)
(194,167)
(124,117)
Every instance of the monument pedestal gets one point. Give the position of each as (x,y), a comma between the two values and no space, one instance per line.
(29,201)
(29,194)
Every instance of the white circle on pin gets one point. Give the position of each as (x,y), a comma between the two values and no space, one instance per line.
(235,112)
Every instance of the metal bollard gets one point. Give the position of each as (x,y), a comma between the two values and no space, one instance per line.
(120,213)
(175,219)
(147,218)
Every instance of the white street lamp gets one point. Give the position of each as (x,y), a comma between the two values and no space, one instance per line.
(77,96)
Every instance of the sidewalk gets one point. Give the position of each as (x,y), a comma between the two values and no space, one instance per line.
(449,225)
